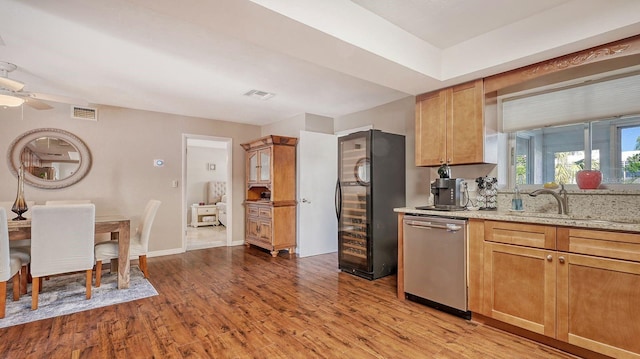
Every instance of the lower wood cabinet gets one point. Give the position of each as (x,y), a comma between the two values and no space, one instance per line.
(271,227)
(571,287)
(599,304)
(520,287)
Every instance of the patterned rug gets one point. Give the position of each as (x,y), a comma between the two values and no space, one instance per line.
(66,294)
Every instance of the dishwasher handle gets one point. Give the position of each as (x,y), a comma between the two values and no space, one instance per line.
(423,224)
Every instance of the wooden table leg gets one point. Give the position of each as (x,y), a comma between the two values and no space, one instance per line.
(123,255)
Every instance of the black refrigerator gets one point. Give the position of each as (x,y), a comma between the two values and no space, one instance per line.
(371,183)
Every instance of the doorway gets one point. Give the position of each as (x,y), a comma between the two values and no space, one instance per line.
(206,191)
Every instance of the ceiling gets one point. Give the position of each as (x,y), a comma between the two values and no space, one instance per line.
(328,58)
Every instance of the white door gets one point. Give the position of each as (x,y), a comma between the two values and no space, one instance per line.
(317,174)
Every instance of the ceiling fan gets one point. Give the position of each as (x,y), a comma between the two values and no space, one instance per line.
(13,95)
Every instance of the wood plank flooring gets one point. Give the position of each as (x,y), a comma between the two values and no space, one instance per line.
(240,302)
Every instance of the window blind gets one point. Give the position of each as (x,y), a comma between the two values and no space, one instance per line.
(586,102)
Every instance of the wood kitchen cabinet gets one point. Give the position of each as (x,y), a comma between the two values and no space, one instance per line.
(520,287)
(451,127)
(598,290)
(578,286)
(520,275)
(270,205)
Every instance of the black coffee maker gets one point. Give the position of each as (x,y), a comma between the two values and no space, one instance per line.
(447,192)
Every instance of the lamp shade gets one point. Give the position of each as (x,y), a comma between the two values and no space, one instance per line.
(10,101)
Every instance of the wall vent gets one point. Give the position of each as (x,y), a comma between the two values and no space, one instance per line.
(262,95)
(84,113)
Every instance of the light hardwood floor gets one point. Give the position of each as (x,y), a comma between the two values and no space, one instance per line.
(206,237)
(240,302)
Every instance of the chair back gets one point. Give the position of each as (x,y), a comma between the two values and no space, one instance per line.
(62,238)
(5,264)
(68,201)
(147,221)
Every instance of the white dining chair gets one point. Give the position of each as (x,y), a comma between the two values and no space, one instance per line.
(62,238)
(20,248)
(139,244)
(9,265)
(67,201)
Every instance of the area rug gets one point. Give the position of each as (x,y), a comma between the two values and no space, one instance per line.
(66,294)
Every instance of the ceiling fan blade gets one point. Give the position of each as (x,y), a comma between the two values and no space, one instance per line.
(38,105)
(10,84)
(57,98)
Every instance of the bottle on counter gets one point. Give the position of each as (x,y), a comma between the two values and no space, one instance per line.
(516,202)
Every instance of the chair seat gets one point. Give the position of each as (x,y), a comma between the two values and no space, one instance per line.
(14,265)
(109,250)
(21,254)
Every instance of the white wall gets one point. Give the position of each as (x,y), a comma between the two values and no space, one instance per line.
(123,144)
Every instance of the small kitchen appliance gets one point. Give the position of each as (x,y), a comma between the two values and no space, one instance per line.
(447,193)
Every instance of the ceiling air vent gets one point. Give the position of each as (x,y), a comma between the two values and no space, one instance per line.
(84,113)
(262,95)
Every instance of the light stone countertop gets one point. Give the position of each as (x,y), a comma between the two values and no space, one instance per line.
(531,217)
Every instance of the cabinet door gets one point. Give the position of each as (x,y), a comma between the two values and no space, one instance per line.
(465,123)
(265,165)
(252,166)
(431,133)
(253,228)
(265,232)
(598,305)
(519,286)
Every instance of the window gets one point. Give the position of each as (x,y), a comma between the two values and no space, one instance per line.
(556,153)
(555,131)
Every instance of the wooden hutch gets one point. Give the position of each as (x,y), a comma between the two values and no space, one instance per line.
(270,201)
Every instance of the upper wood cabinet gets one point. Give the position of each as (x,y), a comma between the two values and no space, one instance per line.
(259,166)
(451,127)
(271,168)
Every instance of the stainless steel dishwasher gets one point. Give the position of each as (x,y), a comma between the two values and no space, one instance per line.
(435,262)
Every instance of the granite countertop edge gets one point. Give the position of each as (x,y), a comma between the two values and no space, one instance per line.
(534,218)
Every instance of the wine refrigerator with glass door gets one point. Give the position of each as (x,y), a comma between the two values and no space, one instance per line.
(371,183)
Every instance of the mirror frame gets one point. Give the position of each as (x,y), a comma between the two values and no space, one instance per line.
(16,147)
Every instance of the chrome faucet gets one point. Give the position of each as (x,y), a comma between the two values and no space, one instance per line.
(561,197)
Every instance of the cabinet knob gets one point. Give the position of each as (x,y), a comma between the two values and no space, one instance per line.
(561,259)
(549,257)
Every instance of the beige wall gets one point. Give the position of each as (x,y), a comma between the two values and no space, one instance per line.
(122,179)
(291,127)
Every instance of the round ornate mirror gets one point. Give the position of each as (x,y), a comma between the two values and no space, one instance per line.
(52,158)
(361,171)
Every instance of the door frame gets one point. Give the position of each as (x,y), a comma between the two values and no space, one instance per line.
(185,206)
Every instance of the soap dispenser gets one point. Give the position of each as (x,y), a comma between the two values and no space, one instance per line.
(516,202)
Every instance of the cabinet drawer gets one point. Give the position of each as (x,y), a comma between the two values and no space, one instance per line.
(202,211)
(529,235)
(264,212)
(616,245)
(252,211)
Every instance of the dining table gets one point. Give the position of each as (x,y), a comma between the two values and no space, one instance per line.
(116,225)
